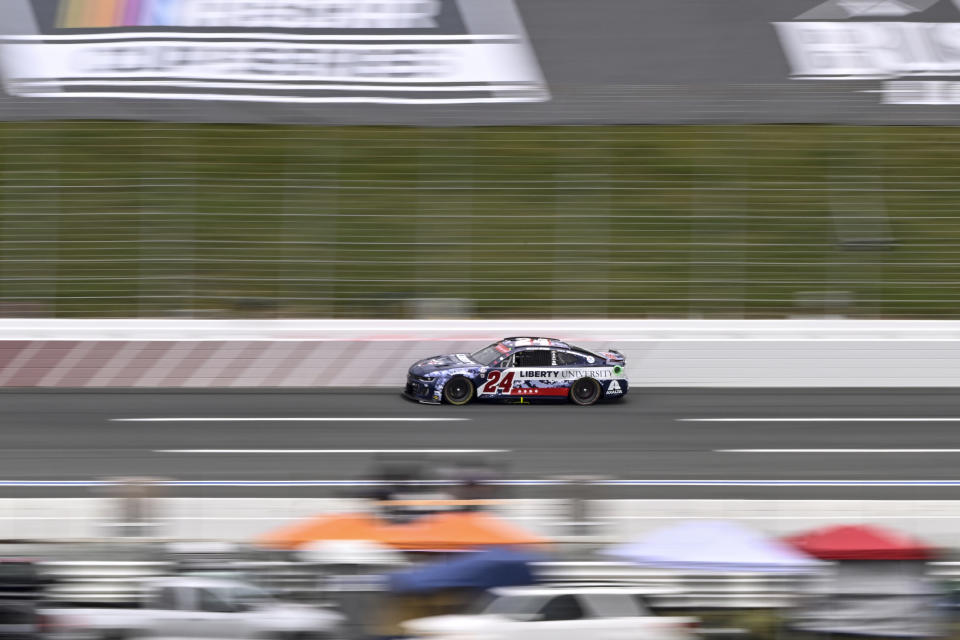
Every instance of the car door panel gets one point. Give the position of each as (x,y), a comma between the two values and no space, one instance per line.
(562,617)
(492,382)
(535,374)
(212,617)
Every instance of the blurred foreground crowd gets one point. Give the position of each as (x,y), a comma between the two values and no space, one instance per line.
(442,557)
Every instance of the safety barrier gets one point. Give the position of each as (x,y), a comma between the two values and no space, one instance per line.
(366,354)
(239,520)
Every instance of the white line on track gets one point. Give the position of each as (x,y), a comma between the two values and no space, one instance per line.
(837,450)
(818,419)
(331,450)
(779,483)
(269,419)
(508,483)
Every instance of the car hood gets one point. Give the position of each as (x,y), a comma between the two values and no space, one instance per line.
(297,616)
(439,363)
(443,625)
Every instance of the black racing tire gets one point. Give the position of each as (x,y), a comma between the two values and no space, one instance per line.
(458,391)
(585,392)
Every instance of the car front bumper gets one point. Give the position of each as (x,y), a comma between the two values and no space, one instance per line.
(420,391)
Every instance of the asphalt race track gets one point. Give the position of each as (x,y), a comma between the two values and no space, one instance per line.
(706,443)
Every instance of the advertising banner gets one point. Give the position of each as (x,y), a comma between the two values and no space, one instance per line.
(294,51)
(912,47)
(465,62)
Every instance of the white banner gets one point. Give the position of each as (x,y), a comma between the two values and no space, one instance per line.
(390,51)
(261,62)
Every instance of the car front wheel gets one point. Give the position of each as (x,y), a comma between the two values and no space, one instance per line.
(585,391)
(458,391)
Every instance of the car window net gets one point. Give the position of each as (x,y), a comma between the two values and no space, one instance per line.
(533,358)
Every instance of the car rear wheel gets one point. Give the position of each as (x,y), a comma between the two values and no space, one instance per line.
(585,391)
(458,390)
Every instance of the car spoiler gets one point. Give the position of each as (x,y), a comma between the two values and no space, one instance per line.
(613,357)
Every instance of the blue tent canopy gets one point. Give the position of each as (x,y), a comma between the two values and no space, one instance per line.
(478,570)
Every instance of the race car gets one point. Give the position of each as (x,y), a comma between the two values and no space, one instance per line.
(519,368)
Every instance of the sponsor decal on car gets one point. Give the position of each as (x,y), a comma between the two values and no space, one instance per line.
(533,342)
(509,381)
(562,374)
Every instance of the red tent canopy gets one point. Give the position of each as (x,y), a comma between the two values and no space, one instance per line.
(860,542)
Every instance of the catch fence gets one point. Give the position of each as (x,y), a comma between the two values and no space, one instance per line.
(142,219)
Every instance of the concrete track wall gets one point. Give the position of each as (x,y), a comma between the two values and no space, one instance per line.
(242,519)
(376,353)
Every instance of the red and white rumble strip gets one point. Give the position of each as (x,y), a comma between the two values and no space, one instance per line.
(71,363)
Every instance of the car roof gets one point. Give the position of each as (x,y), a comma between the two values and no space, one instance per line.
(552,590)
(522,341)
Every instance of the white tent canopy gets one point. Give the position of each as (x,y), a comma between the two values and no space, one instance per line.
(709,545)
(351,552)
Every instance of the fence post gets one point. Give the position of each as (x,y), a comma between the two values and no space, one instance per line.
(580,491)
(134,512)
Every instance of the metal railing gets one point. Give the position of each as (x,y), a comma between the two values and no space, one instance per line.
(120,581)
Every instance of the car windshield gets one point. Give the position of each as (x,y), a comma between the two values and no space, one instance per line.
(251,595)
(512,605)
(487,355)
